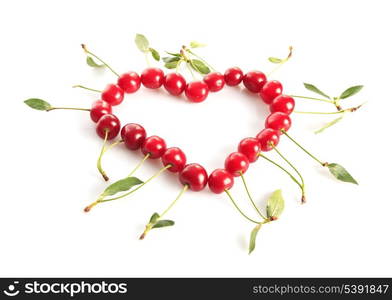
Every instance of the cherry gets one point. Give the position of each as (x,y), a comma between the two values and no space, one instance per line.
(109,124)
(283,103)
(236,163)
(254,81)
(268,138)
(278,121)
(129,82)
(271,90)
(215,81)
(220,180)
(174,83)
(112,94)
(152,78)
(195,176)
(196,91)
(133,135)
(154,146)
(98,109)
(251,148)
(176,158)
(233,76)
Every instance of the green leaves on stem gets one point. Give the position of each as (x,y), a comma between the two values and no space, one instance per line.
(154,223)
(143,45)
(280,61)
(38,104)
(91,62)
(275,207)
(121,185)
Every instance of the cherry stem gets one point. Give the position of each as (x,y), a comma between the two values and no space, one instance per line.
(302,185)
(341,111)
(250,197)
(99,163)
(138,187)
(188,64)
(240,211)
(139,164)
(287,172)
(282,62)
(147,59)
(70,108)
(92,54)
(324,164)
(312,98)
(149,226)
(86,88)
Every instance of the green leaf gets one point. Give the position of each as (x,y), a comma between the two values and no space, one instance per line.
(142,42)
(173,54)
(351,91)
(328,125)
(341,173)
(163,223)
(195,44)
(90,61)
(121,185)
(314,89)
(199,66)
(275,60)
(172,64)
(154,218)
(253,235)
(170,58)
(275,204)
(155,54)
(38,104)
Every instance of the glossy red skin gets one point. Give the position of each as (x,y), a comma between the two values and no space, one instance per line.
(174,83)
(233,76)
(155,146)
(215,81)
(278,121)
(98,109)
(152,78)
(254,81)
(195,176)
(267,137)
(176,158)
(283,103)
(220,180)
(271,90)
(236,163)
(251,148)
(133,135)
(109,123)
(196,91)
(112,94)
(129,82)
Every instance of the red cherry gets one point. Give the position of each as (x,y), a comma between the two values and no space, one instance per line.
(236,163)
(174,83)
(278,121)
(215,81)
(98,109)
(233,76)
(133,136)
(268,138)
(195,176)
(254,81)
(152,78)
(174,157)
(155,146)
(271,90)
(251,148)
(283,103)
(220,180)
(112,94)
(108,123)
(129,82)
(196,91)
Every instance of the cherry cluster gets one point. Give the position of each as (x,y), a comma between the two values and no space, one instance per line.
(194,175)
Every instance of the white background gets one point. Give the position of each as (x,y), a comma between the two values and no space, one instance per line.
(48,159)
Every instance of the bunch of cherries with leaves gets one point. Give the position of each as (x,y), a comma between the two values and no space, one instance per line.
(193,176)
